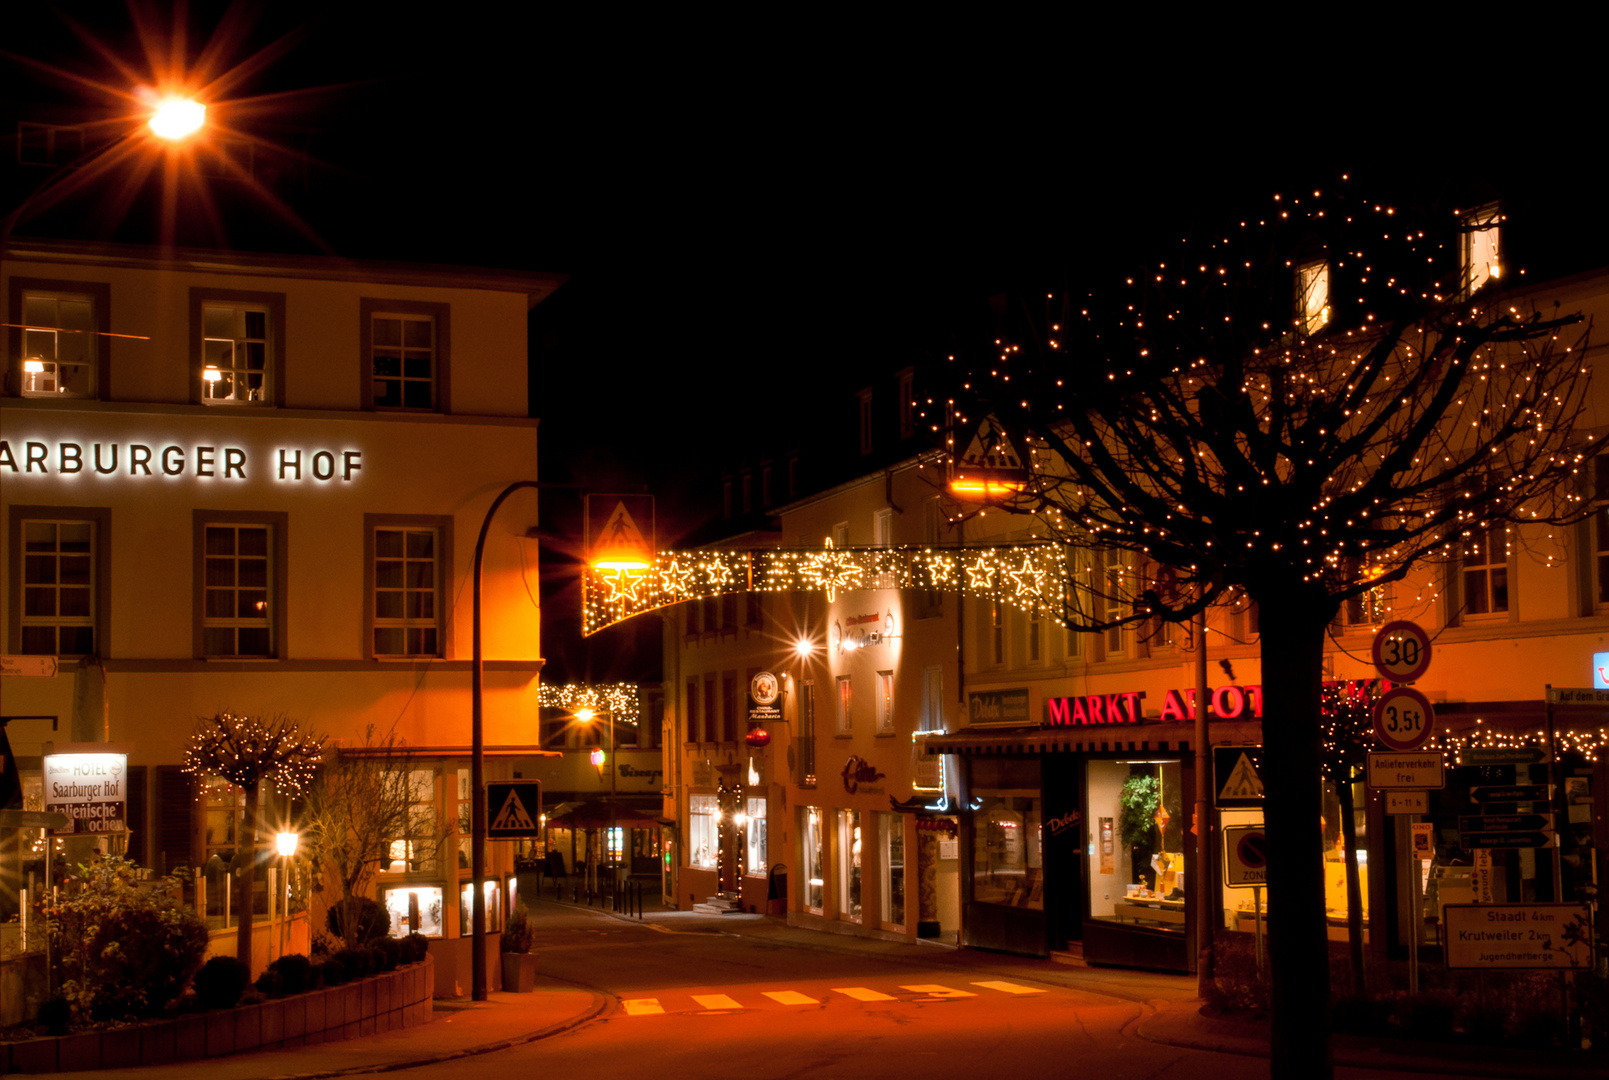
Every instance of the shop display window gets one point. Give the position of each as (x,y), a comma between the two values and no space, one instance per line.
(494,907)
(893,829)
(1335,903)
(815,869)
(754,836)
(1137,836)
(1007,845)
(703,840)
(849,865)
(414,909)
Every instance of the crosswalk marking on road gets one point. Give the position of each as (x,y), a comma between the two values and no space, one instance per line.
(643,1007)
(1009,988)
(716,1001)
(935,990)
(790,997)
(861,993)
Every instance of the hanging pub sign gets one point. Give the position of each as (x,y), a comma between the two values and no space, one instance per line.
(765,695)
(91,789)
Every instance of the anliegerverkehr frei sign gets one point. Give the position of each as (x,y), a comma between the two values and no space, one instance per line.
(91,789)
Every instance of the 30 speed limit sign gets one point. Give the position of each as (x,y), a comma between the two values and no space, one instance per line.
(1403,718)
(1401,651)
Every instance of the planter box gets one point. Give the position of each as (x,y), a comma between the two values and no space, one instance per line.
(519,972)
(248,1027)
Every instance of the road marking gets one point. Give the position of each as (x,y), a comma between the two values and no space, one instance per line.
(716,1001)
(790,997)
(935,990)
(1009,988)
(643,1007)
(861,993)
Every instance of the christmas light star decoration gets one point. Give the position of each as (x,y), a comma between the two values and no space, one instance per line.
(1029,576)
(621,699)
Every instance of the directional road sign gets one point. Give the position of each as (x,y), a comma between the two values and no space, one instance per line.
(1503,755)
(1577,695)
(1245,856)
(1512,793)
(1518,936)
(1506,830)
(514,809)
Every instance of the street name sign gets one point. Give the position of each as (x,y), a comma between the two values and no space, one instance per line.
(1403,718)
(1512,793)
(1518,936)
(1506,830)
(1401,651)
(1406,802)
(514,809)
(1418,769)
(1577,695)
(1245,856)
(1503,755)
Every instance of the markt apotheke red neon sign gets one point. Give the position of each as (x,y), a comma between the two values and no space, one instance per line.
(1230,702)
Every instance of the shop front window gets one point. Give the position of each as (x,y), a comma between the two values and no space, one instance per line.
(849,865)
(893,868)
(703,840)
(414,909)
(815,868)
(1007,845)
(1136,858)
(494,907)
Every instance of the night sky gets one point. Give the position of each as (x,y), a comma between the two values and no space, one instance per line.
(755,221)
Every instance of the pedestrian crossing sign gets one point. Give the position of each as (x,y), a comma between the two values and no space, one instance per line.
(514,809)
(1237,776)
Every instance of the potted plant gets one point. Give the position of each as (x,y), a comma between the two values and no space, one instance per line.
(519,962)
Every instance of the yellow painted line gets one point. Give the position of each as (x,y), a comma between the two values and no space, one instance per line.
(1008,987)
(716,1001)
(643,1007)
(935,990)
(790,997)
(861,993)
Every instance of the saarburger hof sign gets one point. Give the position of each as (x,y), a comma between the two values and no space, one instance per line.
(91,789)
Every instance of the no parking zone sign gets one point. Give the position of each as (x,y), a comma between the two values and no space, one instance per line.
(1245,856)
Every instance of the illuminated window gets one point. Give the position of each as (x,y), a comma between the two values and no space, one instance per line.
(1313,296)
(240,587)
(494,907)
(885,703)
(1116,589)
(1368,608)
(814,893)
(238,347)
(416,850)
(1479,260)
(892,829)
(413,909)
(1484,570)
(754,837)
(845,693)
(406,563)
(849,865)
(59,571)
(405,355)
(703,836)
(59,345)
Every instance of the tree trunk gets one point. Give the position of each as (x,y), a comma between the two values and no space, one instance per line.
(1354,889)
(246,860)
(1291,625)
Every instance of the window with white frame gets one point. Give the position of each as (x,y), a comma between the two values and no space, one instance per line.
(845,693)
(882,528)
(239,590)
(60,345)
(1036,634)
(1479,256)
(1368,608)
(416,850)
(1313,296)
(407,590)
(404,362)
(1116,587)
(703,832)
(1483,572)
(754,853)
(885,703)
(234,354)
(58,610)
(892,830)
(840,534)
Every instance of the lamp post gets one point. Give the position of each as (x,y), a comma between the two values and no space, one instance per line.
(477,767)
(586,716)
(286,843)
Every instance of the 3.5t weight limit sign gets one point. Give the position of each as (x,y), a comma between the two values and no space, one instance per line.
(1403,718)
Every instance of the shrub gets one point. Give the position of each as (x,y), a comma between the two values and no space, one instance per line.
(55,1014)
(122,944)
(331,972)
(377,959)
(270,984)
(519,935)
(358,962)
(220,982)
(392,948)
(295,973)
(369,920)
(417,947)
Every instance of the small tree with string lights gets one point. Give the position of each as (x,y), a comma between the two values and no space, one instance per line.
(1347,711)
(245,751)
(1295,410)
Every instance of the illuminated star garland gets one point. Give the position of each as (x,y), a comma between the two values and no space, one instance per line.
(620,699)
(1032,577)
(1586,742)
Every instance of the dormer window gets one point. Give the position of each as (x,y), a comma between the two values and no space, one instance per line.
(1313,296)
(1479,260)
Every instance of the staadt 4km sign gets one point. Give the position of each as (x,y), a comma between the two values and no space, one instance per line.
(513,809)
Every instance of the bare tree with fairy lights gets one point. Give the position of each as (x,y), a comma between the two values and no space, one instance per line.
(1293,412)
(245,751)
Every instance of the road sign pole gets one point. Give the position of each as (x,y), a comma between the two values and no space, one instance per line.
(1558,793)
(1416,921)
(1257,921)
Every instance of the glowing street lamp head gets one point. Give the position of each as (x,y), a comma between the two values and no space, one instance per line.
(585,715)
(178,118)
(804,647)
(286,843)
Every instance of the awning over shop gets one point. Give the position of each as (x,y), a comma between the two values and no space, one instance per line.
(1136,738)
(597,815)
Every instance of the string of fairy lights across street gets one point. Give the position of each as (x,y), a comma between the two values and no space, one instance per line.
(1032,577)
